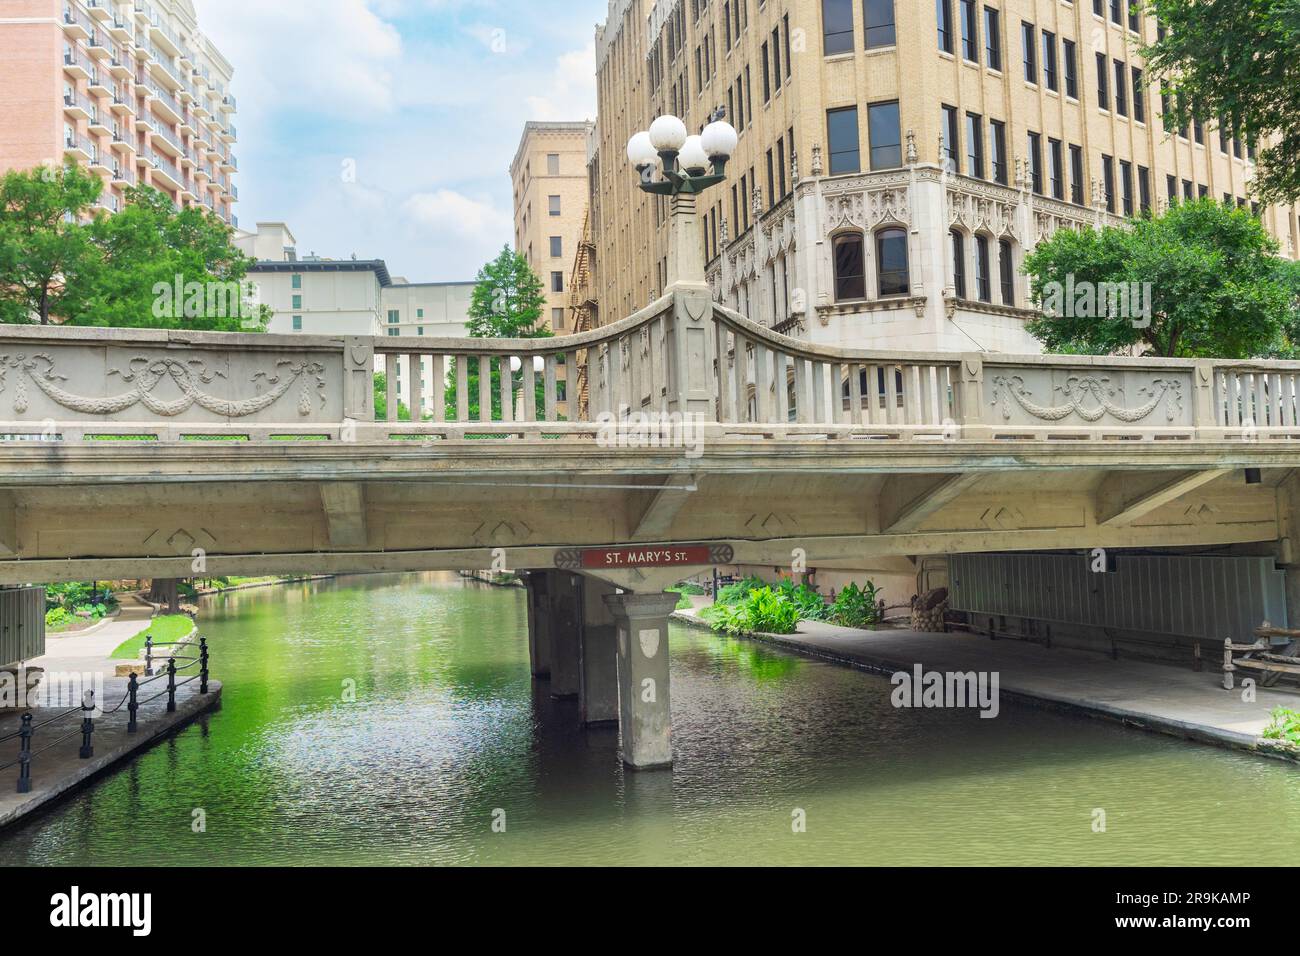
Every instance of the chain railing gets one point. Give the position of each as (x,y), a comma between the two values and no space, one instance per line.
(26,734)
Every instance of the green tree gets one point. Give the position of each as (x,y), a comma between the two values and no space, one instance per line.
(167,268)
(46,252)
(507,303)
(1217,288)
(381,401)
(1238,60)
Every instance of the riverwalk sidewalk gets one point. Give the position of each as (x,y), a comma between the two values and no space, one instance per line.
(1158,697)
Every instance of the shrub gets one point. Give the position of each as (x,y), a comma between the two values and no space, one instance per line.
(735,593)
(810,605)
(857,607)
(763,610)
(58,617)
(1285,726)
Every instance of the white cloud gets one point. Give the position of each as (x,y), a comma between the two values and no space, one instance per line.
(447,213)
(571,93)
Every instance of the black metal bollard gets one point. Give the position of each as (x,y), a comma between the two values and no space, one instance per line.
(132,703)
(25,756)
(171,685)
(148,655)
(87,725)
(203,665)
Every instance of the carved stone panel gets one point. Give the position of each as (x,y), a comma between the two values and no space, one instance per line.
(1055,396)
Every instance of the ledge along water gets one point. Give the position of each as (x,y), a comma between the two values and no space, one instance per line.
(392,719)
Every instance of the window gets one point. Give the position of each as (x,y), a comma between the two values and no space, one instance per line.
(1103,82)
(891,262)
(393,316)
(776,58)
(1036,162)
(879,17)
(951,140)
(993,38)
(959,263)
(837,27)
(842,136)
(297,323)
(943,15)
(983,286)
(1126,186)
(1144,190)
(850,268)
(1171,189)
(557,319)
(1049,60)
(886,140)
(1056,168)
(297,282)
(297,302)
(767,76)
(1187,189)
(1198,129)
(553,205)
(970,34)
(998,150)
(780,166)
(553,164)
(1070,64)
(1108,181)
(1121,88)
(1030,55)
(1133,17)
(1007,272)
(557,247)
(975,145)
(557,281)
(771,180)
(1117,11)
(1139,97)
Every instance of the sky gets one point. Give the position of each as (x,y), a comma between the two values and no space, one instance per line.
(386,128)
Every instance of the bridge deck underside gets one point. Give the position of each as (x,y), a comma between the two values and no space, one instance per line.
(113,511)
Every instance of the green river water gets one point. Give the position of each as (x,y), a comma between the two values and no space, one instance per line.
(448,732)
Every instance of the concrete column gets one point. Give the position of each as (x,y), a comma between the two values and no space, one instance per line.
(598,673)
(539,624)
(645,715)
(565,608)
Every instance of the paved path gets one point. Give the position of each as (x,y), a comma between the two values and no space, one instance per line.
(1158,697)
(89,652)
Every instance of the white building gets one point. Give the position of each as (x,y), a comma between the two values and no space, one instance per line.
(350,297)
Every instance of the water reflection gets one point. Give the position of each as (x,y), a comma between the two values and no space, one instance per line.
(392,719)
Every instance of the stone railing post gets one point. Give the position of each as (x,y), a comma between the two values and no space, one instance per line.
(359,379)
(970,396)
(1204,414)
(692,384)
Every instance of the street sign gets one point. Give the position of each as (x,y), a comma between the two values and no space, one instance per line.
(644,556)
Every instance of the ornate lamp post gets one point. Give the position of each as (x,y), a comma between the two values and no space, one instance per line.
(689,165)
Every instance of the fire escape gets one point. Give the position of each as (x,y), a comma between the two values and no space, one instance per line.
(583,310)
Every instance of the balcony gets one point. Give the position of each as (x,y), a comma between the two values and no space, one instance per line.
(164,104)
(76,64)
(122,142)
(100,10)
(77,24)
(97,44)
(99,123)
(119,65)
(122,175)
(165,36)
(121,29)
(77,106)
(108,201)
(228,133)
(166,140)
(121,104)
(161,67)
(227,104)
(165,172)
(99,162)
(77,147)
(98,83)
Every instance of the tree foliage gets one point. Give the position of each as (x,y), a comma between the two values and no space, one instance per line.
(1217,287)
(149,265)
(1239,61)
(507,303)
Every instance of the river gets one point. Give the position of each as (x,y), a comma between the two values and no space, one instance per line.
(392,720)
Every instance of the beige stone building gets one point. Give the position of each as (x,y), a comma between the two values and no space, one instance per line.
(133,90)
(897,158)
(550,186)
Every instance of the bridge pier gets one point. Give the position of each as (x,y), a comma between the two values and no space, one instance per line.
(645,714)
(598,655)
(564,594)
(539,624)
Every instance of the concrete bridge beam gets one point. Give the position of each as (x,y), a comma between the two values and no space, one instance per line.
(645,713)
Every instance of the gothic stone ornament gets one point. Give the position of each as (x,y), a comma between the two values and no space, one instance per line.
(1089,397)
(145,374)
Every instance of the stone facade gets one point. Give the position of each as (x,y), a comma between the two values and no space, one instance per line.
(772,233)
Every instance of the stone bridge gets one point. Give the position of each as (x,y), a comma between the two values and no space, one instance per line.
(137,453)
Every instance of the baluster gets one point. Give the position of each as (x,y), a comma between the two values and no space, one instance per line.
(415,376)
(726,401)
(485,388)
(438,385)
(781,385)
(762,382)
(462,388)
(507,388)
(839,414)
(391,374)
(529,389)
(572,398)
(821,415)
(1288,401)
(855,394)
(802,405)
(548,388)
(891,395)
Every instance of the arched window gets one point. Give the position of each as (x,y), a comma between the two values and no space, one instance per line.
(891,262)
(850,268)
(983,283)
(959,263)
(1007,270)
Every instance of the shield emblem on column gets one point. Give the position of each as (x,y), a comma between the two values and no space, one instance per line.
(649,642)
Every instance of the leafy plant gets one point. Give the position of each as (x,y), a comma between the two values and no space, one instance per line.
(1284,726)
(735,593)
(763,610)
(57,617)
(857,606)
(810,605)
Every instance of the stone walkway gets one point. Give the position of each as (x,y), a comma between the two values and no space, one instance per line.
(1157,697)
